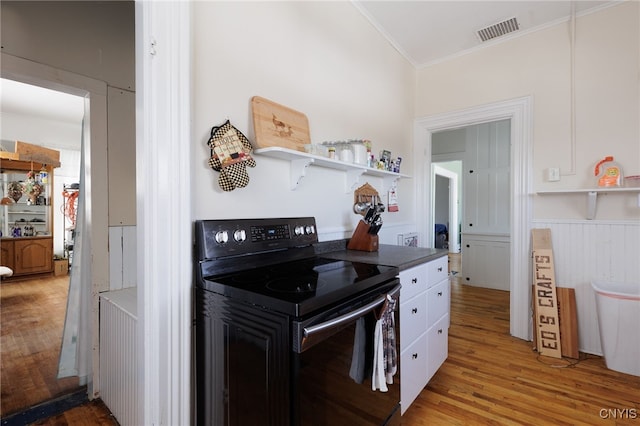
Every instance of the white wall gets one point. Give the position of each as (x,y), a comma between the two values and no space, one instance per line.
(607,112)
(53,134)
(607,92)
(321,58)
(94,39)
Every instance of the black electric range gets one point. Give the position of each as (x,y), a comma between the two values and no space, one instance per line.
(271,263)
(275,327)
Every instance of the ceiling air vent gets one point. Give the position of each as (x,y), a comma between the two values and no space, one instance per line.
(497,30)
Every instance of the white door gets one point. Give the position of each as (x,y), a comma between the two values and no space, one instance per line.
(486,224)
(485,151)
(486,179)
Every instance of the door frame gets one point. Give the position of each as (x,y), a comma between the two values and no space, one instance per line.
(454,243)
(519,111)
(163,211)
(95,179)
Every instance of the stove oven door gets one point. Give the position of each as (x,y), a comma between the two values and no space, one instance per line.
(332,376)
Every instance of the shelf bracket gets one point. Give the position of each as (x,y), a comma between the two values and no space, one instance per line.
(298,170)
(388,182)
(353,178)
(592,200)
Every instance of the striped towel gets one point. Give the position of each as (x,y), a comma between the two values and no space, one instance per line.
(385,356)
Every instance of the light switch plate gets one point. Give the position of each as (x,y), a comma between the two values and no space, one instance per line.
(553,174)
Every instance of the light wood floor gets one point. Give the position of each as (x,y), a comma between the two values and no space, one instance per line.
(489,378)
(493,378)
(32,314)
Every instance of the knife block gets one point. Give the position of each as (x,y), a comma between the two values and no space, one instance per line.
(362,240)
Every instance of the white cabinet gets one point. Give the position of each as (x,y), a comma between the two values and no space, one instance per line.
(485,261)
(424,325)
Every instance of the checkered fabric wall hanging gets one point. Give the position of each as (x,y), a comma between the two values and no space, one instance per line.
(230,154)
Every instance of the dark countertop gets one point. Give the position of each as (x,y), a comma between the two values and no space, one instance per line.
(389,255)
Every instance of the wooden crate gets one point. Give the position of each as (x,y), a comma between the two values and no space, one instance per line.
(24,151)
(60,267)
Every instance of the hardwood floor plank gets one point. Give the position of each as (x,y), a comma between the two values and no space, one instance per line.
(32,318)
(491,377)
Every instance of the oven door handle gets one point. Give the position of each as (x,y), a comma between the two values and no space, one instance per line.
(346,318)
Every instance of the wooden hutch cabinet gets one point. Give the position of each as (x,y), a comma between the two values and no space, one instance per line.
(26,218)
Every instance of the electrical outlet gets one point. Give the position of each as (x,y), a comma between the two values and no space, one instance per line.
(553,174)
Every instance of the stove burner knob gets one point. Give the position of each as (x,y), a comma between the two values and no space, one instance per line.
(310,229)
(240,235)
(222,237)
(299,230)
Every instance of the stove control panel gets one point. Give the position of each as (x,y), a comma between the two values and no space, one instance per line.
(270,232)
(228,237)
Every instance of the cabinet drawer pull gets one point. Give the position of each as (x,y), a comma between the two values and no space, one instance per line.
(414,280)
(439,331)
(440,269)
(414,311)
(414,356)
(439,293)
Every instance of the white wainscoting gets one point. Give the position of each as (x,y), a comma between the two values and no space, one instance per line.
(585,251)
(119,354)
(122,257)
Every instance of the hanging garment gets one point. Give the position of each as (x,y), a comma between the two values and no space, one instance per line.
(385,356)
(358,361)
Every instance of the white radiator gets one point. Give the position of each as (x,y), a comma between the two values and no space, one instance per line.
(585,251)
(118,354)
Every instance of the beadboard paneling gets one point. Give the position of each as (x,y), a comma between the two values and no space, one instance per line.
(122,257)
(585,251)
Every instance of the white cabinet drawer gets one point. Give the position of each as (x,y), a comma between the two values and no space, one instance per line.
(438,270)
(437,345)
(413,370)
(413,319)
(414,281)
(438,302)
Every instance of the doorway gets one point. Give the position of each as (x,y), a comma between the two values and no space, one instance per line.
(519,111)
(94,268)
(485,224)
(34,309)
(446,204)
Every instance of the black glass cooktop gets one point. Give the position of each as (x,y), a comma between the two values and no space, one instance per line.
(301,287)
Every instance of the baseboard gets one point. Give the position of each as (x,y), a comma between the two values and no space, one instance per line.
(47,409)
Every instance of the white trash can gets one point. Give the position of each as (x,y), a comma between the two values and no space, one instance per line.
(618,307)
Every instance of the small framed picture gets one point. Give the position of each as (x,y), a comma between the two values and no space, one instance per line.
(408,240)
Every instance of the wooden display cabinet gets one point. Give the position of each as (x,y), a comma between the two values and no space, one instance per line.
(29,251)
(28,255)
